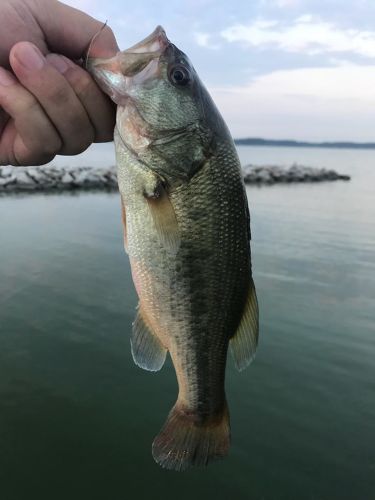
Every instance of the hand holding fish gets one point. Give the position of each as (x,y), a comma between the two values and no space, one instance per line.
(48,104)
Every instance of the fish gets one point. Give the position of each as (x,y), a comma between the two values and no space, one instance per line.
(187,234)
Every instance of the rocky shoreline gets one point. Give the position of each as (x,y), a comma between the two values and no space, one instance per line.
(274,174)
(53,179)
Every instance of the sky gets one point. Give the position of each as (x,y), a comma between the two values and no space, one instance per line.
(278,69)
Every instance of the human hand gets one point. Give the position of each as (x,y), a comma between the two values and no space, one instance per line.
(48,104)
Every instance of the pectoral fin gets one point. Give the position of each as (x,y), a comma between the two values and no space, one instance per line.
(164,218)
(123,216)
(244,342)
(147,350)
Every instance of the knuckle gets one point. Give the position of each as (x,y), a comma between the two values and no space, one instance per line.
(25,105)
(42,159)
(51,147)
(77,143)
(34,158)
(81,148)
(105,135)
(11,159)
(59,95)
(83,137)
(30,105)
(19,103)
(43,152)
(76,149)
(81,82)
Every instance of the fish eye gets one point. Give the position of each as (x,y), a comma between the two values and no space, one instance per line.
(179,75)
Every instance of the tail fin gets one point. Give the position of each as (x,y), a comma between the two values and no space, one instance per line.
(183,442)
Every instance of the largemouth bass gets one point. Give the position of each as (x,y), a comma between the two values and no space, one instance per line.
(187,233)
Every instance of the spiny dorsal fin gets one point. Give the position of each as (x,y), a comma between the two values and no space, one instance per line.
(244,342)
(164,218)
(147,350)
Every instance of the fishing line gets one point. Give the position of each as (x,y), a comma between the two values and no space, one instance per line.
(86,58)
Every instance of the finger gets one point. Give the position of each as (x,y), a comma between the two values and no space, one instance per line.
(55,95)
(69,31)
(18,23)
(98,106)
(4,117)
(31,138)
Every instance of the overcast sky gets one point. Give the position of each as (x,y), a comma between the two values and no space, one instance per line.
(301,69)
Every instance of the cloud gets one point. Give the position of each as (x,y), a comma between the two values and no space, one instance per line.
(315,103)
(205,40)
(287,3)
(305,34)
(202,39)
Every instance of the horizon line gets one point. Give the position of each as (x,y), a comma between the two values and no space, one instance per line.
(259,141)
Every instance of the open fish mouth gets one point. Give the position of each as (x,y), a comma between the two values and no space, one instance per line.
(131,61)
(118,75)
(135,59)
(157,42)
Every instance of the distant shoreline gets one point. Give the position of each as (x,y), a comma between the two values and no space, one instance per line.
(255,141)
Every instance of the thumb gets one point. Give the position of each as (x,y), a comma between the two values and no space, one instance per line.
(70,31)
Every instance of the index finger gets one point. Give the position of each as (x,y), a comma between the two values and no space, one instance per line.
(69,31)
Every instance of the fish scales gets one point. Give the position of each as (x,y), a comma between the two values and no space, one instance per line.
(187,235)
(209,209)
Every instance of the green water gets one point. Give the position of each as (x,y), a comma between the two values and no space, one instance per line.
(77,417)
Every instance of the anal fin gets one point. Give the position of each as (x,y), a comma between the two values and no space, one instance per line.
(147,350)
(244,342)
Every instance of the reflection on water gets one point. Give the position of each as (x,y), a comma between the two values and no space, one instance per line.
(77,417)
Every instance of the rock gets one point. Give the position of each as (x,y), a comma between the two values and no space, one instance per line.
(277,174)
(6,171)
(38,175)
(250,178)
(270,174)
(24,182)
(67,179)
(7,181)
(331,175)
(264,177)
(87,179)
(53,177)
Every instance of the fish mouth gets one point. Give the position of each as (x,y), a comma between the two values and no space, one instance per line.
(131,61)
(117,75)
(157,42)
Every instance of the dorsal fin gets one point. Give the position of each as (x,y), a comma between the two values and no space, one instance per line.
(244,342)
(147,350)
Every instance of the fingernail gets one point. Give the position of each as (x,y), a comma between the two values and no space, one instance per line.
(6,78)
(60,63)
(29,57)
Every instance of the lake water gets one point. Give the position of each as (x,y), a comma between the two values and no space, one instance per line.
(77,417)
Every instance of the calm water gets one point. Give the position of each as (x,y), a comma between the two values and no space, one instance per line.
(77,417)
